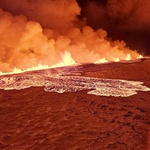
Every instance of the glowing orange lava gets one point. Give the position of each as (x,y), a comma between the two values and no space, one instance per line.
(66,60)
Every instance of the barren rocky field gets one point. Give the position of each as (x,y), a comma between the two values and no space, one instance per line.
(34,119)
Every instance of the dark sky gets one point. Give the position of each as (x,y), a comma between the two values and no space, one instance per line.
(127,20)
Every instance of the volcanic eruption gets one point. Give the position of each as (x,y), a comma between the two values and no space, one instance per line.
(68,80)
(42,35)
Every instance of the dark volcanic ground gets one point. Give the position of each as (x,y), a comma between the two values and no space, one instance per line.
(32,119)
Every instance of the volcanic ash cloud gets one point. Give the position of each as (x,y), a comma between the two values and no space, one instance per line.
(39,32)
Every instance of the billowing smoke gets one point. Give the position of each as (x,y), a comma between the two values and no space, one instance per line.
(38,32)
(127,20)
(55,14)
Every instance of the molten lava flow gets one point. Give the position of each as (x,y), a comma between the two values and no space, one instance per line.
(140,57)
(103,60)
(117,59)
(58,80)
(67,60)
(128,57)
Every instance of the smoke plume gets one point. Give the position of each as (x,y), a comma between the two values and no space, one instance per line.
(36,32)
(55,14)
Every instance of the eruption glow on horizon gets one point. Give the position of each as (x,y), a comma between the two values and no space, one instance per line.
(38,39)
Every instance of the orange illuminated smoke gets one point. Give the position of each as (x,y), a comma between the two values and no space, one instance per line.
(26,45)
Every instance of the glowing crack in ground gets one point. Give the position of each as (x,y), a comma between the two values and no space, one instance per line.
(61,81)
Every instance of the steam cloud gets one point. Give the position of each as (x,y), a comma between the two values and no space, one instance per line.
(38,32)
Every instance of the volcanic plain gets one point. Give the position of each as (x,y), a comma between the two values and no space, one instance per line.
(35,119)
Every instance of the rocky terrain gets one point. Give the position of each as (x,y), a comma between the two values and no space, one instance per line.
(32,118)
